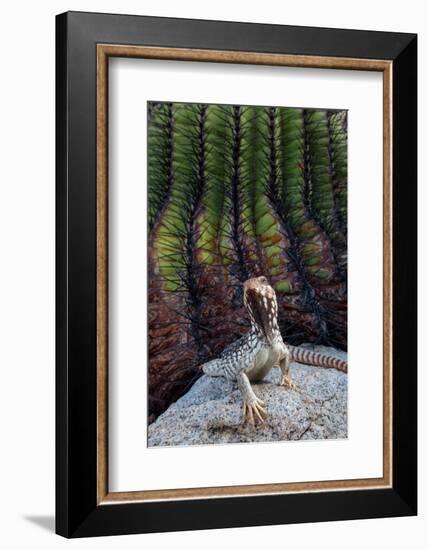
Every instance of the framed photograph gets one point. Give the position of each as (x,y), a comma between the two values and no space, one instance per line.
(236,274)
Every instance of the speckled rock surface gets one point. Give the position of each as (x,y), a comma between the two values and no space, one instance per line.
(211,411)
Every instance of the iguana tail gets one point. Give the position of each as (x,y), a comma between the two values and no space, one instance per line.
(308,357)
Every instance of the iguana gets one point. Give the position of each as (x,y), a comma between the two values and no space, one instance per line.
(262,348)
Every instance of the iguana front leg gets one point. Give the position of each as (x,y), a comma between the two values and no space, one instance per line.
(284,365)
(252,405)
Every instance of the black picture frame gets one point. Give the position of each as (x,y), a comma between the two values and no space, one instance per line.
(77,511)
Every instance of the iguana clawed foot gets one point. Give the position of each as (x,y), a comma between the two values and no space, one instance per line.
(253,411)
(287,382)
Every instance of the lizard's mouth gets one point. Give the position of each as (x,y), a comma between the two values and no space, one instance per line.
(260,302)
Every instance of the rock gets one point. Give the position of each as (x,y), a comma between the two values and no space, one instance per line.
(211,411)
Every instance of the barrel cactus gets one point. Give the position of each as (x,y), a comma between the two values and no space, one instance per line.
(235,192)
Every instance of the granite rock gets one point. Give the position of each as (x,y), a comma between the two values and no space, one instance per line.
(211,411)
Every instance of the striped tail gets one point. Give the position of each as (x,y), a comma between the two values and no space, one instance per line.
(308,357)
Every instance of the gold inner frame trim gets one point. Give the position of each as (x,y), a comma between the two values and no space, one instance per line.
(104,51)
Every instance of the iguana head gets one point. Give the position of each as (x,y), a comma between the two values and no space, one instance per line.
(260,301)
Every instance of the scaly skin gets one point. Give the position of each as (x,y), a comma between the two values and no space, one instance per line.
(251,357)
